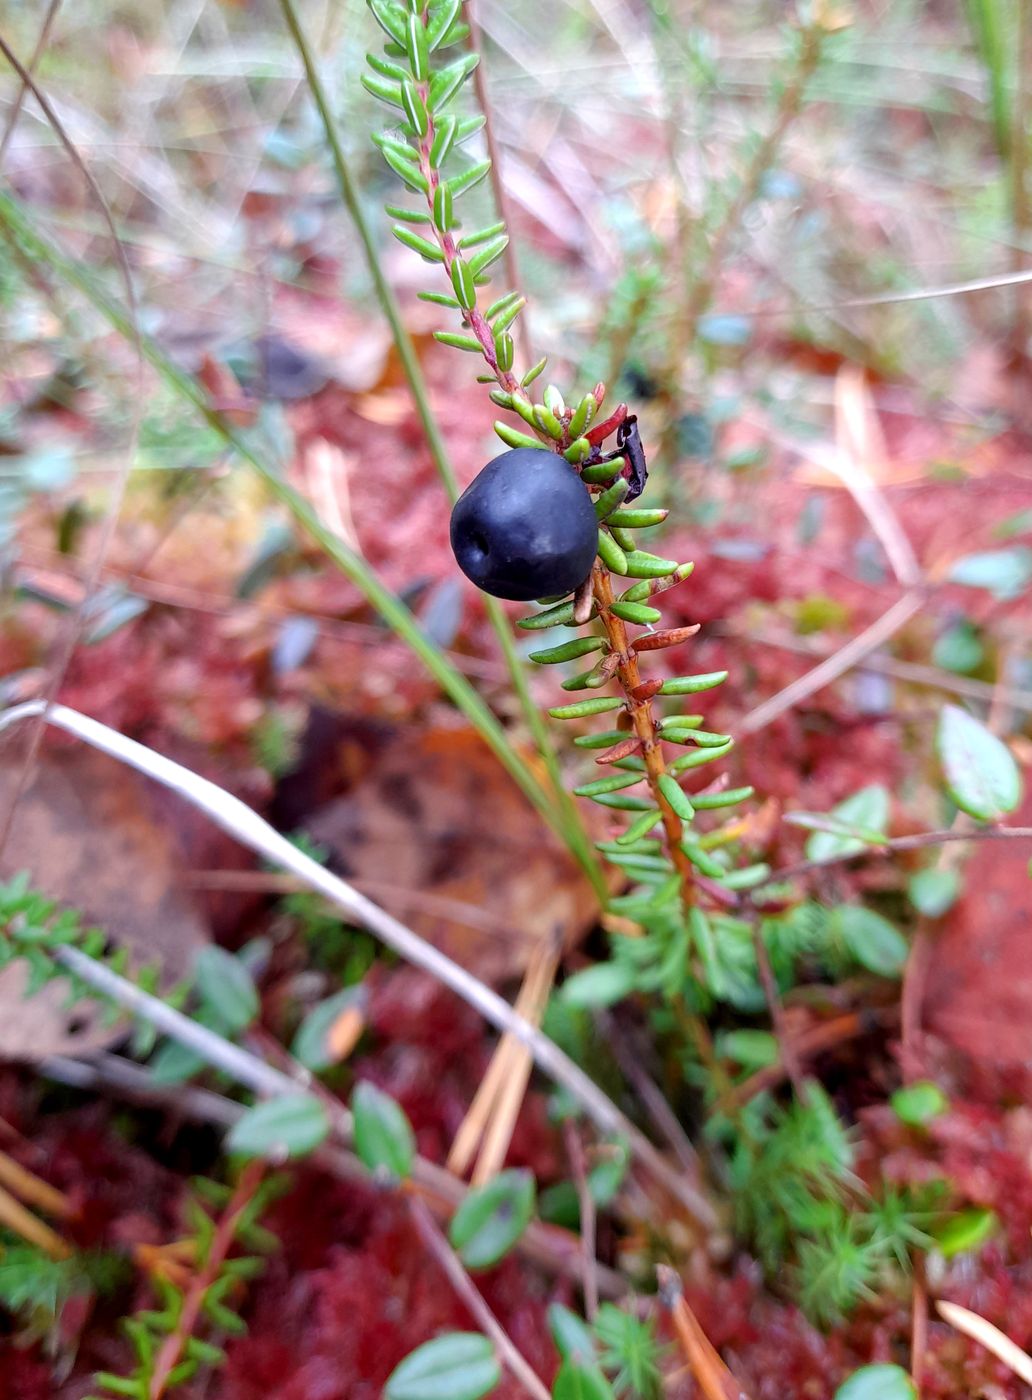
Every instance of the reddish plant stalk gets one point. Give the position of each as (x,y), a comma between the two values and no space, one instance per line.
(171,1350)
(638,700)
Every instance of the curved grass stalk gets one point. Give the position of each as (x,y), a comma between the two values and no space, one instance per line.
(18,225)
(570,825)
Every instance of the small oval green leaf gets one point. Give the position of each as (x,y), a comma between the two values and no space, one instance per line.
(289,1126)
(457,1366)
(873,941)
(226,989)
(572,1335)
(601,985)
(492,1218)
(966,1230)
(980,773)
(867,809)
(311,1043)
(917,1104)
(384,1139)
(877,1383)
(932,892)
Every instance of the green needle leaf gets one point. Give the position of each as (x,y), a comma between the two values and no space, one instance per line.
(445,134)
(462,281)
(469,179)
(611,554)
(430,251)
(678,800)
(383,89)
(512,437)
(597,706)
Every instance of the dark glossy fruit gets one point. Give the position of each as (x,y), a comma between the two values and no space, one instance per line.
(525,527)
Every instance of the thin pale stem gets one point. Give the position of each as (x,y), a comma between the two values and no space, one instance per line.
(916,842)
(467,1291)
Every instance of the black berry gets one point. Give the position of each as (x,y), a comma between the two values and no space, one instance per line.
(525,526)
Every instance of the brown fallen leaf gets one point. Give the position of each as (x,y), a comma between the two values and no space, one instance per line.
(439,835)
(85,834)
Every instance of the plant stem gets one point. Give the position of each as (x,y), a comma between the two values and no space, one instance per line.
(643,723)
(917,842)
(438,1246)
(568,820)
(171,1350)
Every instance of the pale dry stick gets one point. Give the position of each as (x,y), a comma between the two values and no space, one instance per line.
(438,1246)
(918,1324)
(32,65)
(715,1379)
(786,1046)
(518,1065)
(909,671)
(789,105)
(948,289)
(33,1190)
(843,660)
(235,817)
(860,443)
(473,1126)
(988,1336)
(919,960)
(14,1216)
(588,1214)
(76,623)
(107,1073)
(265,882)
(223,605)
(918,841)
(630,1054)
(328,470)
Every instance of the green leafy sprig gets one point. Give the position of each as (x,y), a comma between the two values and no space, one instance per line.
(419,79)
(168,1350)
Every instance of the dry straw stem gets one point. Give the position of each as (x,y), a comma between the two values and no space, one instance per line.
(988,1336)
(235,817)
(552,1249)
(908,671)
(715,1379)
(16,1217)
(19,1180)
(843,660)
